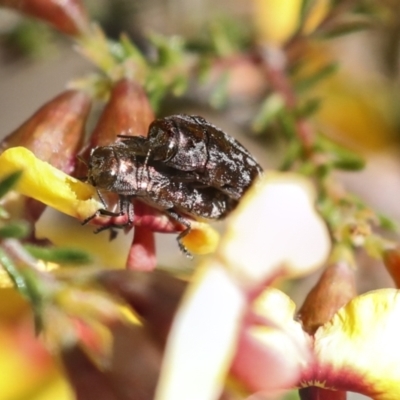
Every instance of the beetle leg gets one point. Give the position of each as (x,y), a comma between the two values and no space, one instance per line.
(102,211)
(233,193)
(125,208)
(185,222)
(113,233)
(129,138)
(146,160)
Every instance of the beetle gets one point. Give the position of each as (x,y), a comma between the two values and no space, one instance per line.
(116,169)
(203,153)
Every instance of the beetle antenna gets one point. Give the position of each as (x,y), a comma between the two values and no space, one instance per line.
(81,159)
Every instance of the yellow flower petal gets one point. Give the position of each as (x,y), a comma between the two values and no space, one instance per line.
(276,20)
(359,349)
(275,224)
(279,309)
(58,388)
(276,306)
(318,12)
(49,185)
(15,360)
(202,239)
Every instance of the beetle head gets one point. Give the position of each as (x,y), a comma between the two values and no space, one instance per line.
(103,167)
(164,139)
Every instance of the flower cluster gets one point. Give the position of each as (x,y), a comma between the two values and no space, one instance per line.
(229,330)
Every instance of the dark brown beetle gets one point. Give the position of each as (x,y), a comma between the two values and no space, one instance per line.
(203,154)
(117,169)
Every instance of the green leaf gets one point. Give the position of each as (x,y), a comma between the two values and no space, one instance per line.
(180,85)
(288,124)
(26,282)
(308,82)
(131,51)
(223,36)
(306,7)
(348,161)
(374,246)
(116,50)
(307,169)
(345,28)
(269,110)
(59,255)
(323,171)
(4,214)
(219,96)
(204,69)
(387,223)
(310,107)
(17,230)
(170,50)
(227,36)
(7,183)
(292,154)
(341,157)
(155,88)
(31,38)
(330,211)
(14,274)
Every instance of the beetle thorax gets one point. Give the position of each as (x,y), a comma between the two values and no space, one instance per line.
(164,143)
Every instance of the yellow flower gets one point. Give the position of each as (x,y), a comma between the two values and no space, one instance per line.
(275,232)
(70,196)
(49,185)
(233,327)
(357,350)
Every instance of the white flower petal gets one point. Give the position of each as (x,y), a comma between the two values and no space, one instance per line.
(105,252)
(275,224)
(203,338)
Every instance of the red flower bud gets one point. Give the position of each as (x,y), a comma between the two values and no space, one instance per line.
(68,16)
(391,259)
(334,289)
(128,112)
(54,133)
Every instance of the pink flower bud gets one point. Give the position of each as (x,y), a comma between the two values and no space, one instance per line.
(68,16)
(54,133)
(128,112)
(334,289)
(392,263)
